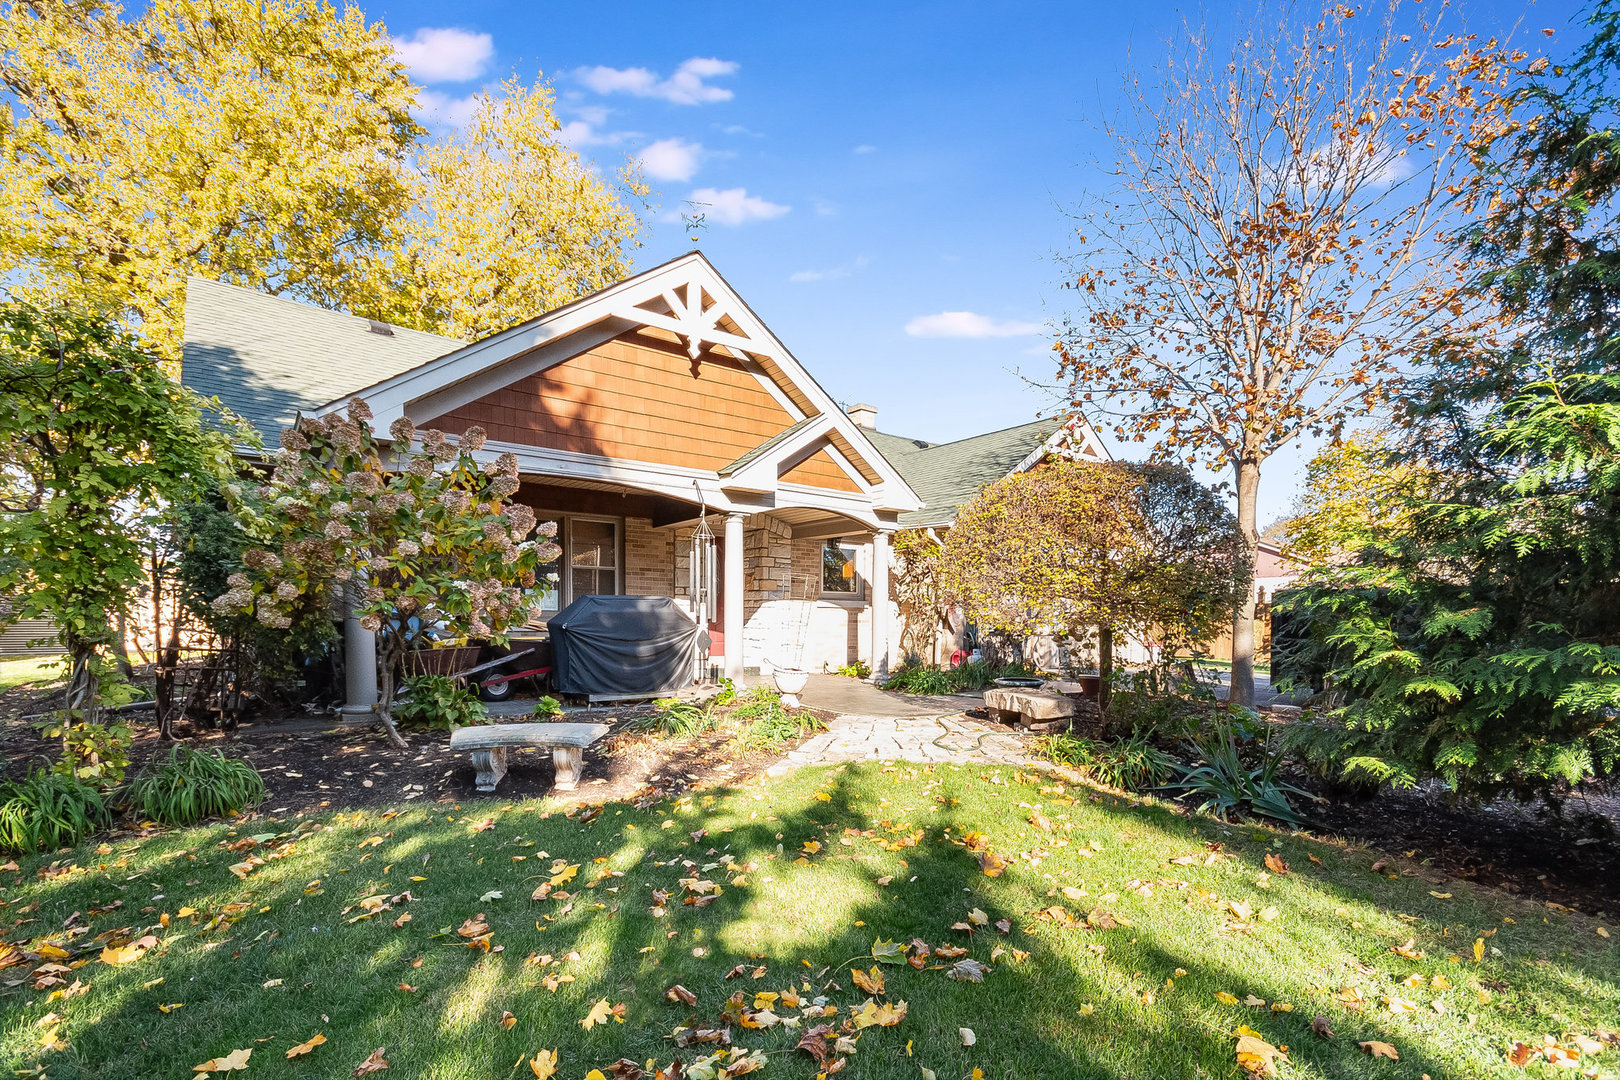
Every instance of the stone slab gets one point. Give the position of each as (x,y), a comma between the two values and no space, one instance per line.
(489,736)
(1034,705)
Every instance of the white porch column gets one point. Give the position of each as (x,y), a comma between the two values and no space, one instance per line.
(731,622)
(880,604)
(359,668)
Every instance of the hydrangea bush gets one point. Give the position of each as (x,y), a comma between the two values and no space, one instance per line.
(415,527)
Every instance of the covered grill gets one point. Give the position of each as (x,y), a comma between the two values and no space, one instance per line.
(622,645)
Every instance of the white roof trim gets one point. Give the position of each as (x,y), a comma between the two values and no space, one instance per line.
(1076,426)
(439,379)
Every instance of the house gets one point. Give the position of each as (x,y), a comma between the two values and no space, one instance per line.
(635,413)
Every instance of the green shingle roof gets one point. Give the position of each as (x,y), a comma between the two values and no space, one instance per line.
(946,475)
(267,358)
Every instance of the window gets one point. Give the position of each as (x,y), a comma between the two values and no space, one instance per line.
(547,580)
(838,577)
(593,557)
(589,564)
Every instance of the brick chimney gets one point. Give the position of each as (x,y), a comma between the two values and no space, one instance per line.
(864,416)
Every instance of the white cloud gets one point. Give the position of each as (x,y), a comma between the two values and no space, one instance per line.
(444,109)
(968,324)
(438,54)
(825,208)
(734,206)
(832,273)
(671,159)
(687,86)
(864,148)
(578,133)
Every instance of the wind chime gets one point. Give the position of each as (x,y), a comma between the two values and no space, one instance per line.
(701,583)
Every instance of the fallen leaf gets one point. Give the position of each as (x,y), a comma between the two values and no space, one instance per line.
(599,1014)
(871,982)
(1275,864)
(544,1064)
(1224,998)
(375,1062)
(681,994)
(814,1042)
(122,954)
(305,1047)
(1376,1049)
(1258,1056)
(967,971)
(1321,1028)
(507,1021)
(888,952)
(236,1059)
(968,1038)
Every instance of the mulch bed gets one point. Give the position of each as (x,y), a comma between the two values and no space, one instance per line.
(1570,859)
(309,763)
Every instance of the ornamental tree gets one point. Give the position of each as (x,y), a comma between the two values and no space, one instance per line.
(1276,248)
(91,429)
(1071,547)
(417,529)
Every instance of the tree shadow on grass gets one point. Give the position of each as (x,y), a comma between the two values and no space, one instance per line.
(806,924)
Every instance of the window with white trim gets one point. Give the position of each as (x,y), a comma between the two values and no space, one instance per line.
(591,563)
(839,578)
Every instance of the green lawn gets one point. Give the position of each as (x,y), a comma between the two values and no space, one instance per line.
(29,669)
(265,962)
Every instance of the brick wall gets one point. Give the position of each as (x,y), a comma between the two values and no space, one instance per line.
(649,559)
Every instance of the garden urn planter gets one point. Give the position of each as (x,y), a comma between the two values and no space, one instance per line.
(790,683)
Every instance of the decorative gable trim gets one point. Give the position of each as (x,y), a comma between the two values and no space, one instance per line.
(685,297)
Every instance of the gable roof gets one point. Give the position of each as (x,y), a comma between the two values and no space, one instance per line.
(946,475)
(267,358)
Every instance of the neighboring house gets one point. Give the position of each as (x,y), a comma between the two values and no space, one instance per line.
(1273,572)
(627,410)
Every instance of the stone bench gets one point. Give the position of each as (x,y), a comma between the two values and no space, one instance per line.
(1038,710)
(488,743)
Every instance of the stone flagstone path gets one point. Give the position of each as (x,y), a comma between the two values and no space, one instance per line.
(932,739)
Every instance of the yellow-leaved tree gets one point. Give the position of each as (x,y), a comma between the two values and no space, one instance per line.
(258,143)
(270,143)
(510,223)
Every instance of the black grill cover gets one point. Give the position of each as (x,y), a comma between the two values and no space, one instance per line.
(622,645)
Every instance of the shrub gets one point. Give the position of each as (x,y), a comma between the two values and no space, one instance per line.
(438,701)
(920,679)
(766,722)
(47,810)
(917,678)
(1228,784)
(675,719)
(91,750)
(1133,764)
(548,708)
(860,669)
(191,785)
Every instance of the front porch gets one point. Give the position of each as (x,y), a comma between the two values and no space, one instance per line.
(793,585)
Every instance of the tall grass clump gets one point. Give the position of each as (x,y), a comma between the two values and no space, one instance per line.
(46,810)
(191,785)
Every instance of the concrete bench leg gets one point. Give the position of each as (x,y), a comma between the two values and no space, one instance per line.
(570,762)
(491,766)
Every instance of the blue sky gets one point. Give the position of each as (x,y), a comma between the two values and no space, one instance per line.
(886,181)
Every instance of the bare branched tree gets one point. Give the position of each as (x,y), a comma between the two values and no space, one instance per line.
(1277,246)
